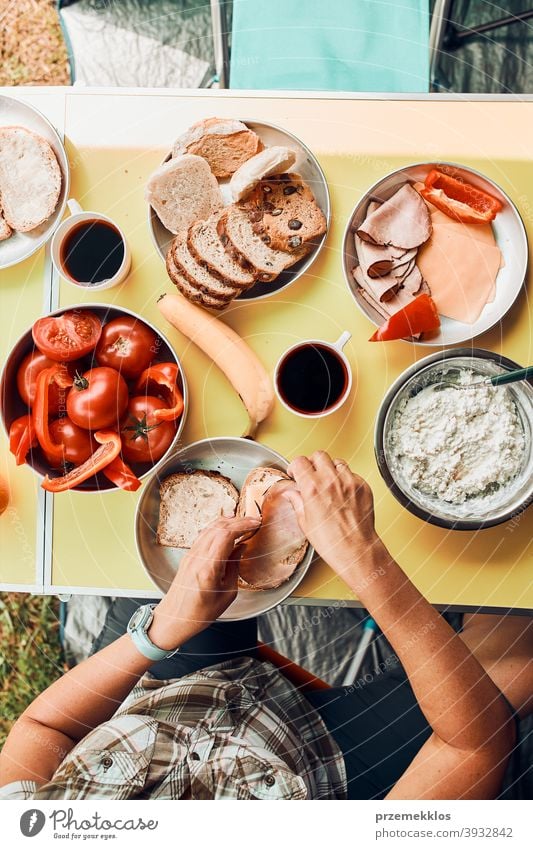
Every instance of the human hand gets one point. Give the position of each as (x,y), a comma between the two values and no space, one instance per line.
(335,509)
(204,586)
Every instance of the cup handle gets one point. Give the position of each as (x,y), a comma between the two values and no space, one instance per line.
(342,340)
(74,206)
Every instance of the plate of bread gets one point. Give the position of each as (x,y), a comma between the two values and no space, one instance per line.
(225,476)
(237,210)
(34,180)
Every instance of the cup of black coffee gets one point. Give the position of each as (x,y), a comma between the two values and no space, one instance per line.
(314,378)
(90,250)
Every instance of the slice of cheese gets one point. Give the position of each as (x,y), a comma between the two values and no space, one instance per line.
(460,263)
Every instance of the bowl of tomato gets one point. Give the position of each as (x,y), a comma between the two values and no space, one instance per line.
(93,398)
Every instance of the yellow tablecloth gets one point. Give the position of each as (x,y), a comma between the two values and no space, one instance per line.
(114,140)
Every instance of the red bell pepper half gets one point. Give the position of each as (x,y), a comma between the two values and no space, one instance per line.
(108,450)
(419,316)
(119,473)
(458,199)
(22,438)
(40,412)
(165,377)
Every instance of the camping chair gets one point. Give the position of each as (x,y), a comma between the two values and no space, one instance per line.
(365,45)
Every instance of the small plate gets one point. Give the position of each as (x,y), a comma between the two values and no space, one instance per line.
(509,233)
(233,457)
(307,166)
(22,245)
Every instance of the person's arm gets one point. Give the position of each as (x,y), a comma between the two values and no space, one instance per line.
(473,732)
(204,586)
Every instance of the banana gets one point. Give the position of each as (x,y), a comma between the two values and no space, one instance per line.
(232,355)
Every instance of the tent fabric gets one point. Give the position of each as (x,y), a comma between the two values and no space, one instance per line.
(363,45)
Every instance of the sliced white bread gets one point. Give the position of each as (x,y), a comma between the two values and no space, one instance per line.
(272,160)
(248,248)
(205,245)
(189,502)
(192,291)
(30,179)
(225,144)
(183,191)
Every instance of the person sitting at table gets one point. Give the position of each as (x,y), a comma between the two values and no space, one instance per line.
(213,722)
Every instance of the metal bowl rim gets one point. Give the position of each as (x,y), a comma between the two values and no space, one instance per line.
(156,330)
(374,186)
(302,568)
(312,256)
(65,171)
(392,392)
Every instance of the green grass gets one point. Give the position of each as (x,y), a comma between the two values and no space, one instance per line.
(30,652)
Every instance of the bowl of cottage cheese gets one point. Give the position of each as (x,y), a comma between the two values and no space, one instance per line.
(458,458)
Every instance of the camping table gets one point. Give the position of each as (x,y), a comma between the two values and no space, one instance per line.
(84,543)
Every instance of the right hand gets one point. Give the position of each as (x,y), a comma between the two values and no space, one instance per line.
(335,509)
(205,584)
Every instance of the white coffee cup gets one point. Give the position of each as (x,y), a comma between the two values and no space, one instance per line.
(336,349)
(79,216)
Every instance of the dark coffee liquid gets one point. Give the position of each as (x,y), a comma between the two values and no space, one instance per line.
(312,378)
(92,252)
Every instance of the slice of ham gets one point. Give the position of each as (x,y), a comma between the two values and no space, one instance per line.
(403,296)
(403,221)
(270,557)
(379,260)
(385,287)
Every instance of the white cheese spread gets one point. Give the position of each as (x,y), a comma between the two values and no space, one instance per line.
(458,444)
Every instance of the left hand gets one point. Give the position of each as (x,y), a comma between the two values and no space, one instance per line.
(204,586)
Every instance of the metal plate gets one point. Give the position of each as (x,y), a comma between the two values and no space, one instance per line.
(307,166)
(474,514)
(22,245)
(509,233)
(12,405)
(233,457)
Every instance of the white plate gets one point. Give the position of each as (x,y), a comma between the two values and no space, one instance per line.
(22,245)
(509,233)
(307,166)
(233,457)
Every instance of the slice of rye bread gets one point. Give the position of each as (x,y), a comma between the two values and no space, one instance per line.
(191,292)
(30,178)
(248,248)
(204,243)
(183,190)
(198,274)
(189,502)
(284,212)
(223,142)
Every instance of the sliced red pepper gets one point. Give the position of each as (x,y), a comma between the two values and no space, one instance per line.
(119,473)
(22,438)
(109,449)
(40,411)
(459,199)
(165,376)
(419,316)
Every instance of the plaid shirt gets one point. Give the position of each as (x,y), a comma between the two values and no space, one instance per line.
(237,730)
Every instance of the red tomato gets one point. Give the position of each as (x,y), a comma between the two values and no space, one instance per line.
(78,444)
(69,336)
(144,439)
(31,366)
(127,345)
(98,399)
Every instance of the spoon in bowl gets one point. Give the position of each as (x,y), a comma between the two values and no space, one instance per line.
(495,380)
